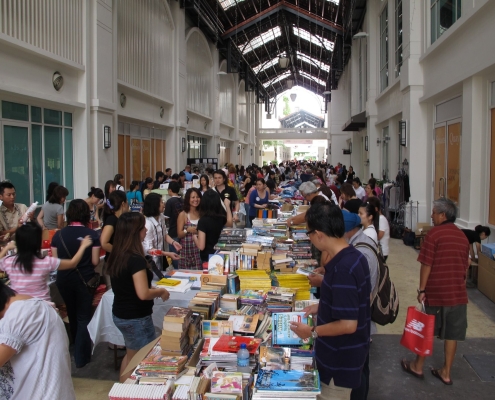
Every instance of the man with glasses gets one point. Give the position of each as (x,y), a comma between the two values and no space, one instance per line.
(444,259)
(341,348)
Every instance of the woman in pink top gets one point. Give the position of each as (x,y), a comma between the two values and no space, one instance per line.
(28,270)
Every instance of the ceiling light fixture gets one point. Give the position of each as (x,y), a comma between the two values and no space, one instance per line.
(360,35)
(327,92)
(221,73)
(290,83)
(293,96)
(283,62)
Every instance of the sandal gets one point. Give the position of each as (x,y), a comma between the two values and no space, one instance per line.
(406,366)
(436,374)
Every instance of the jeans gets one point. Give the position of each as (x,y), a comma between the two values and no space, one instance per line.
(79,309)
(137,332)
(171,248)
(248,221)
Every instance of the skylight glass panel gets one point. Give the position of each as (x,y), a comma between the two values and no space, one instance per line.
(278,78)
(230,3)
(334,1)
(315,39)
(262,67)
(306,75)
(312,61)
(260,40)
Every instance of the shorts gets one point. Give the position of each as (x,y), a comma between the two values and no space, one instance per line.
(450,322)
(137,332)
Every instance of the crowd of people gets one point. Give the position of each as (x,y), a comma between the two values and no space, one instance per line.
(345,225)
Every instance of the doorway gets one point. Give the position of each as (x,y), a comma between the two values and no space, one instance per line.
(447,139)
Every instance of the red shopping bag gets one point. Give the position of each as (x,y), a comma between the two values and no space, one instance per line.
(418,332)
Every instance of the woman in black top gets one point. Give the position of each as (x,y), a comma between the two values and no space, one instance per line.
(131,284)
(114,207)
(213,216)
(480,233)
(73,290)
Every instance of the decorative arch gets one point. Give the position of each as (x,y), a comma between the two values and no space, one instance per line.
(199,66)
(242,106)
(226,95)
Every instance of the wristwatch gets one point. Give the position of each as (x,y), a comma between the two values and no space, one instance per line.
(421,291)
(314,334)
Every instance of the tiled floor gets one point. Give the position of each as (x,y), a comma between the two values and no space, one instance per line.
(387,381)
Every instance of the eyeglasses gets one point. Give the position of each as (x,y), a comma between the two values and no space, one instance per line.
(310,232)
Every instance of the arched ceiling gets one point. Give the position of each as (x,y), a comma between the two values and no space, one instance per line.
(315,35)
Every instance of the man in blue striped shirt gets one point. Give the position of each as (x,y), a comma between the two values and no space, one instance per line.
(342,331)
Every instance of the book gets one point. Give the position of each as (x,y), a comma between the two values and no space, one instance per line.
(226,382)
(177,315)
(274,381)
(246,324)
(221,396)
(282,333)
(231,344)
(274,357)
(217,328)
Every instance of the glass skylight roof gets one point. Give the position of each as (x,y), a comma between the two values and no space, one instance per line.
(230,3)
(260,40)
(268,64)
(306,75)
(312,61)
(315,39)
(278,78)
(334,1)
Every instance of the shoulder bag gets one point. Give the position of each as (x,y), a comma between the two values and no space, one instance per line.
(94,282)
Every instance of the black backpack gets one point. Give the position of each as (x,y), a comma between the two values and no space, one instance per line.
(385,299)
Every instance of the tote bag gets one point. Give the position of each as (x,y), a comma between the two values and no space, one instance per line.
(418,332)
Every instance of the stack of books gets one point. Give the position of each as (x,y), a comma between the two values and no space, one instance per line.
(297,282)
(199,386)
(281,385)
(205,304)
(230,302)
(231,239)
(280,299)
(223,359)
(286,358)
(254,279)
(223,314)
(156,365)
(175,334)
(121,391)
(226,382)
(282,263)
(194,331)
(253,296)
(244,324)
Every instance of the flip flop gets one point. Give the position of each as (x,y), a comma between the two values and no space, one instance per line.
(406,366)
(436,374)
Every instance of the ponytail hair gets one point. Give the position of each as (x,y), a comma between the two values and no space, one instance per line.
(114,203)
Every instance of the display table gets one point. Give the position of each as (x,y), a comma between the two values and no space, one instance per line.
(102,329)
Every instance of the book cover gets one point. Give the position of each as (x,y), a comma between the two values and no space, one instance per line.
(244,323)
(272,358)
(177,315)
(231,344)
(282,333)
(217,328)
(288,381)
(226,382)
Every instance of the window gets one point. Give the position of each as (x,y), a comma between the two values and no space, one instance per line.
(384,49)
(313,62)
(229,3)
(196,147)
(262,67)
(398,36)
(37,151)
(443,14)
(315,39)
(286,74)
(260,40)
(304,74)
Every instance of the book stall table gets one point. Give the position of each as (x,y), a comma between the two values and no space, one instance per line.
(254,287)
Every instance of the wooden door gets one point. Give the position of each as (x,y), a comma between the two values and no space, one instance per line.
(440,174)
(146,158)
(136,160)
(453,161)
(491,215)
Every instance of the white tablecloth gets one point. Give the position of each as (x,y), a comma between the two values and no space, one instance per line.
(102,329)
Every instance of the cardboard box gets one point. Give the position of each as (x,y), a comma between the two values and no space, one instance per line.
(486,276)
(488,250)
(286,207)
(220,279)
(422,228)
(302,209)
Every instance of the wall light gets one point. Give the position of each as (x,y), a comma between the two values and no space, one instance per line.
(378,141)
(107,137)
(402,133)
(183,144)
(57,80)
(206,125)
(239,150)
(162,111)
(218,148)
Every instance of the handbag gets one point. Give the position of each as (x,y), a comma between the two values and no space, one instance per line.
(418,332)
(94,282)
